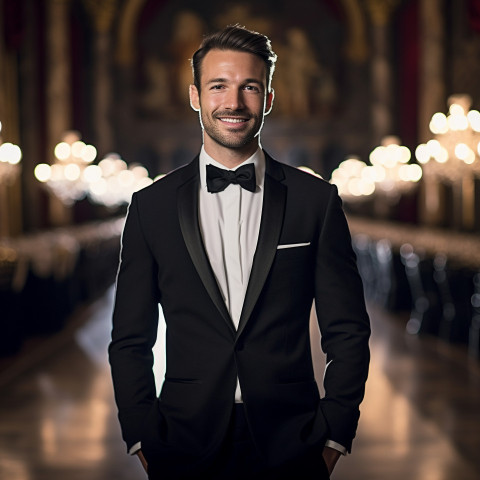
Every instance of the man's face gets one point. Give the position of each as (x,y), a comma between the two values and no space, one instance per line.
(232,102)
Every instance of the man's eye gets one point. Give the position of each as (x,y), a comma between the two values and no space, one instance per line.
(252,88)
(216,87)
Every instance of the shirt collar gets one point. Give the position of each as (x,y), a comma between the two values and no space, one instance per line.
(258,159)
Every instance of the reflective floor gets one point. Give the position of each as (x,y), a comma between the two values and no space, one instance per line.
(420,418)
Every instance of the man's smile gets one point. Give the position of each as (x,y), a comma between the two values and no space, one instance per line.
(232,120)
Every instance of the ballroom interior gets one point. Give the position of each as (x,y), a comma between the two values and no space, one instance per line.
(379,97)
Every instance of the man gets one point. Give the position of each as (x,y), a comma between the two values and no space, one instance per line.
(236,260)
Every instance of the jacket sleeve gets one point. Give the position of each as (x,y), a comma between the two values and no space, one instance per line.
(344,324)
(135,321)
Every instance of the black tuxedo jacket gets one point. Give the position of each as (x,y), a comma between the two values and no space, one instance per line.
(163,261)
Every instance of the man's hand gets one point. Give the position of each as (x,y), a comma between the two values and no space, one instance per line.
(331,456)
(142,459)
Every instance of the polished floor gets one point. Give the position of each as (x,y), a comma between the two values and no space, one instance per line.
(420,418)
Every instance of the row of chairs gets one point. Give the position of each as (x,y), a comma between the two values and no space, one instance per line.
(45,277)
(443,297)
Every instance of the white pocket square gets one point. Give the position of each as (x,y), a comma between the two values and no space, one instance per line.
(293,245)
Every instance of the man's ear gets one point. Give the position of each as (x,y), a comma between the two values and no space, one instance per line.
(194,98)
(269,101)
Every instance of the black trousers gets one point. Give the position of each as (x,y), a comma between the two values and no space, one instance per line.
(239,460)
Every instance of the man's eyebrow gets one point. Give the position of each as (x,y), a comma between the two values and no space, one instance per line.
(217,80)
(225,80)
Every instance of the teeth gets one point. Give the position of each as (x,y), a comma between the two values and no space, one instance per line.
(233,120)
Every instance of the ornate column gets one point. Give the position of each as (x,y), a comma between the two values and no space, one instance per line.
(431,97)
(10,195)
(380,12)
(59,115)
(124,58)
(102,13)
(29,65)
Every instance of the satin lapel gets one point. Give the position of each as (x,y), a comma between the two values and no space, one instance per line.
(187,202)
(273,211)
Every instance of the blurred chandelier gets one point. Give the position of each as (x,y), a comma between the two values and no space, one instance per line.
(454,152)
(73,176)
(112,182)
(10,156)
(353,179)
(392,172)
(389,174)
(67,178)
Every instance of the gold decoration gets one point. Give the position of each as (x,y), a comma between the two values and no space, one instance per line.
(380,10)
(356,47)
(128,17)
(102,13)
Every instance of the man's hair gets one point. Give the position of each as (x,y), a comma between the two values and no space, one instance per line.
(235,37)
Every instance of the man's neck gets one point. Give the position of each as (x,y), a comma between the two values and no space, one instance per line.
(230,157)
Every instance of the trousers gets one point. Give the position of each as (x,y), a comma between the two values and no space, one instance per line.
(239,459)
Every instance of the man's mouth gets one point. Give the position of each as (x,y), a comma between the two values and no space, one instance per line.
(233,120)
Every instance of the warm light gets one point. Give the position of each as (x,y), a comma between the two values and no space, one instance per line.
(374,173)
(434,148)
(422,153)
(70,175)
(126,178)
(410,173)
(442,156)
(99,187)
(42,172)
(10,153)
(457,122)
(473,117)
(405,154)
(72,172)
(456,109)
(62,151)
(367,187)
(463,152)
(455,146)
(92,173)
(376,155)
(439,123)
(142,183)
(57,172)
(77,148)
(416,172)
(10,156)
(89,153)
(470,157)
(353,178)
(353,187)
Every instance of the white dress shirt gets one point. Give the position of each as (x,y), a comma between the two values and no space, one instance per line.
(229,224)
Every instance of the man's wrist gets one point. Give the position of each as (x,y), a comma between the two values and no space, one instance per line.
(330,456)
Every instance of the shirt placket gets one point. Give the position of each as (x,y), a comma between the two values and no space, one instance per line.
(232,251)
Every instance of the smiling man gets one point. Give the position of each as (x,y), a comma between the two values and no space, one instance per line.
(235,247)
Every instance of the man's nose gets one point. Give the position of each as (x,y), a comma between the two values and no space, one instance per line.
(234,100)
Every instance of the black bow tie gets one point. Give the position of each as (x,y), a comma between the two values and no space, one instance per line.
(218,179)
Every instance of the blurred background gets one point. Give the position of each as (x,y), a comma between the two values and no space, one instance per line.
(379,97)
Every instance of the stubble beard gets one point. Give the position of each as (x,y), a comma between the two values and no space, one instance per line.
(233,140)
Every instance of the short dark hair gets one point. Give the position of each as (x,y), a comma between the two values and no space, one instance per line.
(235,37)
